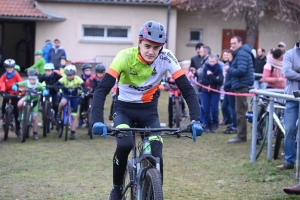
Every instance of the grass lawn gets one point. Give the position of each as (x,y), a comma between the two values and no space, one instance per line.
(210,168)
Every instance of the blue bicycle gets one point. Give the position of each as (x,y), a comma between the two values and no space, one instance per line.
(67,118)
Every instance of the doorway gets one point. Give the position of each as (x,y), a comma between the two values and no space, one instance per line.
(17,42)
(229,33)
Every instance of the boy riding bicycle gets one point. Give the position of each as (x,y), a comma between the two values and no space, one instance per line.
(139,71)
(31,83)
(7,80)
(50,78)
(87,77)
(70,84)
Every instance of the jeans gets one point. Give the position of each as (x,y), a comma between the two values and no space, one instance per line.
(231,100)
(226,109)
(210,102)
(260,85)
(290,118)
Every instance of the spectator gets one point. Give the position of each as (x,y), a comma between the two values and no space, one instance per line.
(56,52)
(46,50)
(39,64)
(282,45)
(273,74)
(196,64)
(291,72)
(259,64)
(241,72)
(229,100)
(224,61)
(212,77)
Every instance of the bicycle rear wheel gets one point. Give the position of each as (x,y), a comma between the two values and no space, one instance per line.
(25,125)
(177,113)
(279,137)
(151,186)
(262,132)
(7,122)
(127,182)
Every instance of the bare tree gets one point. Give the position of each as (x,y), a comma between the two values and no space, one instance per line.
(253,11)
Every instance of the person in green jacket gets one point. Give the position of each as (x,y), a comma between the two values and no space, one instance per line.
(40,62)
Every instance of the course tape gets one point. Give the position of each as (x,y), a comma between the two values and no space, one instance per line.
(223,92)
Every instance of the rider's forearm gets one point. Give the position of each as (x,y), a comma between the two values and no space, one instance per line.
(100,94)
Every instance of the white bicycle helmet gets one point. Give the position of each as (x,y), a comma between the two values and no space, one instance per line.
(9,63)
(70,70)
(48,66)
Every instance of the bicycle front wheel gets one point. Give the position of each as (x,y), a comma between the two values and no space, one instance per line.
(262,132)
(67,123)
(127,182)
(25,124)
(279,137)
(45,118)
(152,186)
(7,122)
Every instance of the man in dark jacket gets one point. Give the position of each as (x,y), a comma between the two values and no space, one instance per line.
(241,72)
(56,53)
(259,64)
(46,50)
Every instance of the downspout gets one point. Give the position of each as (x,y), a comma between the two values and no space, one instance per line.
(168,22)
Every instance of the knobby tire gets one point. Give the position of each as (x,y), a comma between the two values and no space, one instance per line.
(90,132)
(67,123)
(7,122)
(45,118)
(262,126)
(152,186)
(279,137)
(25,125)
(177,111)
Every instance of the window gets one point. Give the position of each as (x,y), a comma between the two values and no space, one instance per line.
(196,35)
(104,33)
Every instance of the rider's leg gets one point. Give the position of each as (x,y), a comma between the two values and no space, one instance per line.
(74,107)
(20,104)
(170,112)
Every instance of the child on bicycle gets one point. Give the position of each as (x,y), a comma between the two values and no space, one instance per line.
(87,77)
(170,85)
(50,78)
(63,64)
(31,83)
(70,84)
(7,80)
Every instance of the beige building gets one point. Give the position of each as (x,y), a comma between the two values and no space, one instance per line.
(95,30)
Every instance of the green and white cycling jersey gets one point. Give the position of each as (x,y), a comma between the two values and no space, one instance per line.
(139,81)
(70,87)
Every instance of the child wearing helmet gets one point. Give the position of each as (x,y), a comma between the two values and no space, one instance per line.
(87,77)
(50,78)
(7,80)
(31,83)
(63,64)
(40,62)
(70,84)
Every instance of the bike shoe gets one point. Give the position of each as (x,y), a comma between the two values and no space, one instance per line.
(35,137)
(110,117)
(58,118)
(72,136)
(116,194)
(18,133)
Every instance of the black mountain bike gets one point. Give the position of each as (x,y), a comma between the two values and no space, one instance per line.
(26,116)
(8,117)
(142,178)
(48,113)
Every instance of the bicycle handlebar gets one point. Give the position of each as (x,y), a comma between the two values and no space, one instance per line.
(174,131)
(7,95)
(26,90)
(267,99)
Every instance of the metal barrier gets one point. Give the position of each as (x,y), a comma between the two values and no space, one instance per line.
(272,93)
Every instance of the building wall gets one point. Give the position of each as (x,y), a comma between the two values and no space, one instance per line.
(69,32)
(271,32)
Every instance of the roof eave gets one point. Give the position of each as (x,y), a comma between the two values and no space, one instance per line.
(31,18)
(111,3)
